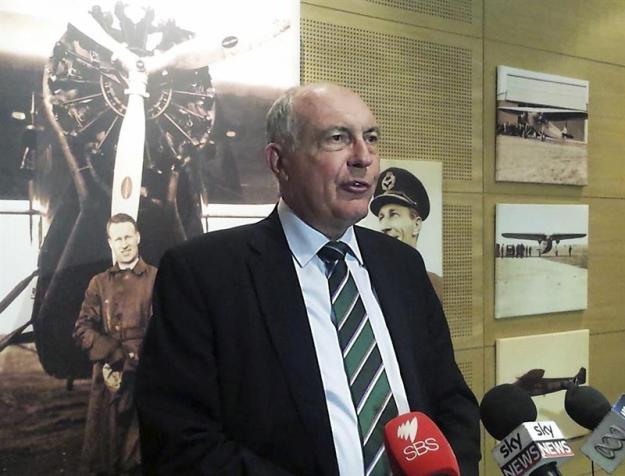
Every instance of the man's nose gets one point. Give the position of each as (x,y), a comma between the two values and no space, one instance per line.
(384,225)
(362,155)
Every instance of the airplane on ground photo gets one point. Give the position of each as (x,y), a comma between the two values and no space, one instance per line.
(545,241)
(539,122)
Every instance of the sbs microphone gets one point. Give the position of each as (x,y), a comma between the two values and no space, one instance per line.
(527,446)
(417,447)
(590,409)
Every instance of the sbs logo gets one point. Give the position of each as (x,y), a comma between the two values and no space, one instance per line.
(408,431)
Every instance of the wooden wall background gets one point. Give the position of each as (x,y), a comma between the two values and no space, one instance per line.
(428,69)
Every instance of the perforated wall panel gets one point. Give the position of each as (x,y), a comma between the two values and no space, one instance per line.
(458,269)
(457,10)
(420,90)
(467,371)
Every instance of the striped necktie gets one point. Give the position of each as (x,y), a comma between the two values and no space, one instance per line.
(368,382)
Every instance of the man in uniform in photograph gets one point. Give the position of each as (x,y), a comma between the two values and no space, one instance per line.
(401,204)
(283,347)
(110,328)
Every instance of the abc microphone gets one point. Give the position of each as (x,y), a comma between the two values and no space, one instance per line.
(417,447)
(526,447)
(590,409)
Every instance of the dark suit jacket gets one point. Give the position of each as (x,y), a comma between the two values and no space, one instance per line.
(228,382)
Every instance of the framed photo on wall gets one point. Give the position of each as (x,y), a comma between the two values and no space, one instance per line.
(408,205)
(541,259)
(542,128)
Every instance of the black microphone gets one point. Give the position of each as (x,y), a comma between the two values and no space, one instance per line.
(589,408)
(586,406)
(527,446)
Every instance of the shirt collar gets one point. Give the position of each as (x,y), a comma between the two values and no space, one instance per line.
(139,268)
(304,241)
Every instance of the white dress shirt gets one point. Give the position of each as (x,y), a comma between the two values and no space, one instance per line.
(304,242)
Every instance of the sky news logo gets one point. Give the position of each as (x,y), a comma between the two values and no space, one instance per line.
(528,458)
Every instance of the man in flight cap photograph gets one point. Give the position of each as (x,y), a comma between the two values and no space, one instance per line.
(401,205)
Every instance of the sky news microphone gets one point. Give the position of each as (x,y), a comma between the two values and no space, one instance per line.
(590,409)
(526,447)
(417,447)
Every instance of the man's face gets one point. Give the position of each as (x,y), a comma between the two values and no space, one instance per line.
(124,242)
(400,222)
(329,177)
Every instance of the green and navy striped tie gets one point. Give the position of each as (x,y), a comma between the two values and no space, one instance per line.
(368,382)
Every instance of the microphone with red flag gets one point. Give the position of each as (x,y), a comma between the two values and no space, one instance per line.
(417,447)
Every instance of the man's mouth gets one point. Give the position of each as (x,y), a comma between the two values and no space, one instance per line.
(356,186)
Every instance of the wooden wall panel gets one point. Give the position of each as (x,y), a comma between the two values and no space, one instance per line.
(456,16)
(462,268)
(606,352)
(590,29)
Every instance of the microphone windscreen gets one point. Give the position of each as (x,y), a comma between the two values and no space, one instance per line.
(417,447)
(504,408)
(586,406)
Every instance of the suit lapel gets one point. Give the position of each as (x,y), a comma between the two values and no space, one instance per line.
(283,308)
(391,288)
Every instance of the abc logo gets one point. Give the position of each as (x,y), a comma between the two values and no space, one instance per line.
(419,448)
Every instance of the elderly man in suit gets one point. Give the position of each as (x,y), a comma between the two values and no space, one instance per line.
(282,348)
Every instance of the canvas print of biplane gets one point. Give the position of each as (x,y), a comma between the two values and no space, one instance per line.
(152,109)
(542,128)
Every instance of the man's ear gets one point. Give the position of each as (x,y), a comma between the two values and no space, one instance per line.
(275,160)
(417,226)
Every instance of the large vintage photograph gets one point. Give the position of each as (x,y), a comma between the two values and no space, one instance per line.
(125,128)
(541,259)
(407,205)
(542,128)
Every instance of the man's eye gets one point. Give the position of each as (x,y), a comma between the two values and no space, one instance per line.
(339,138)
(372,138)
(336,140)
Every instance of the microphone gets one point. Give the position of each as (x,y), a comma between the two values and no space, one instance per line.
(590,409)
(417,447)
(526,446)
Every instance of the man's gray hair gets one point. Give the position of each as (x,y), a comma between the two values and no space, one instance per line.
(281,121)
